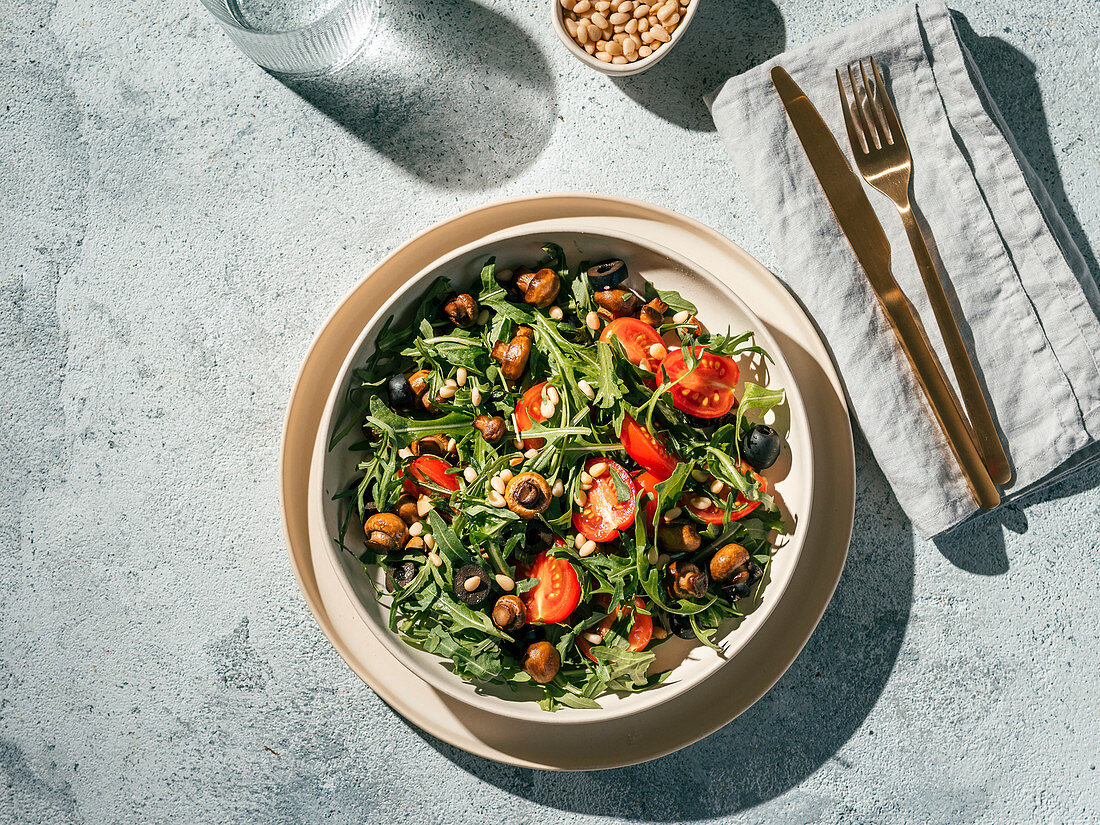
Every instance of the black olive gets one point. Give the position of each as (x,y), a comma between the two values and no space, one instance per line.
(681,626)
(760,447)
(369,509)
(701,423)
(480,594)
(537,537)
(403,572)
(400,392)
(607,274)
(743,588)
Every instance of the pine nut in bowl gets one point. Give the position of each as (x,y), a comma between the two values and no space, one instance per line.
(621,37)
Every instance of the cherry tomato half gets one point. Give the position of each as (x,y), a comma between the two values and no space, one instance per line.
(427,468)
(647,449)
(717,514)
(557,593)
(641,629)
(603,515)
(647,483)
(635,336)
(707,391)
(529,412)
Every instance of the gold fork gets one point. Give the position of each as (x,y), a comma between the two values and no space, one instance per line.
(883,157)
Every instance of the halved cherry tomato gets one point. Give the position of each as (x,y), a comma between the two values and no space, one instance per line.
(707,391)
(528,412)
(427,468)
(647,483)
(641,629)
(603,515)
(717,514)
(557,593)
(635,336)
(647,449)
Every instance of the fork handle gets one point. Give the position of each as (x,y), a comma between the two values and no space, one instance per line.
(985,433)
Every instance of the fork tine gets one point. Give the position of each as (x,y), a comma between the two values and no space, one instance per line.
(858,110)
(855,136)
(888,107)
(874,106)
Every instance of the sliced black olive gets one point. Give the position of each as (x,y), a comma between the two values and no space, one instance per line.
(760,447)
(681,626)
(607,274)
(403,572)
(400,392)
(466,590)
(742,584)
(537,537)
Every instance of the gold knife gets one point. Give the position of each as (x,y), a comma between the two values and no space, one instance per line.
(861,227)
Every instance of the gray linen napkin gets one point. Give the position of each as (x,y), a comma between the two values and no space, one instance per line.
(1028,303)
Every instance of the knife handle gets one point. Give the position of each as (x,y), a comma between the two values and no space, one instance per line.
(930,376)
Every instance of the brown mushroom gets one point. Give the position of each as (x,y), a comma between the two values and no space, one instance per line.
(509,613)
(527,495)
(619,302)
(492,428)
(419,383)
(431,445)
(462,310)
(386,533)
(678,537)
(728,561)
(686,581)
(653,313)
(513,355)
(542,661)
(539,288)
(406,509)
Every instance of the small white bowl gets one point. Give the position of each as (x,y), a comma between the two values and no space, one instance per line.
(557,15)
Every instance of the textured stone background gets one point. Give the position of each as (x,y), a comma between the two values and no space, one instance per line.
(176,224)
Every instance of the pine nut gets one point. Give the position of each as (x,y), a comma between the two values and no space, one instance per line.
(625,7)
(497,483)
(681,317)
(588,47)
(452,445)
(582,6)
(663,560)
(416,529)
(658,351)
(597,469)
(530,453)
(595,35)
(517,443)
(585,478)
(651,555)
(647,37)
(615,49)
(586,485)
(568,4)
(605,58)
(580,499)
(571,27)
(424,506)
(717,486)
(582,34)
(631,27)
(496,499)
(516,460)
(506,475)
(579,540)
(593,638)
(602,6)
(450,382)
(673,514)
(659,632)
(475,396)
(599,20)
(435,559)
(666,11)
(644,367)
(447,392)
(592,320)
(415,543)
(471,584)
(505,583)
(640,10)
(586,388)
(404,453)
(672,23)
(460,376)
(556,312)
(470,474)
(699,475)
(644,51)
(629,48)
(429,541)
(552,394)
(659,33)
(701,503)
(547,409)
(483,318)
(643,25)
(558,490)
(588,549)
(619,60)
(618,19)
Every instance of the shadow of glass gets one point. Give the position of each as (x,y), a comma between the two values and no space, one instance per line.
(1010,77)
(459,112)
(795,728)
(726,37)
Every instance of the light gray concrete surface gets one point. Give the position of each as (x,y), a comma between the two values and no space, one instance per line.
(176,224)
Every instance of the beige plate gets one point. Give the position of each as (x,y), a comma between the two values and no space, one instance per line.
(734,688)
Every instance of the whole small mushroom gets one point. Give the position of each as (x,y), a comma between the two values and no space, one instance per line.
(539,288)
(653,313)
(686,581)
(727,561)
(542,661)
(509,613)
(462,310)
(418,381)
(527,495)
(513,355)
(431,445)
(406,509)
(678,537)
(492,428)
(619,302)
(385,532)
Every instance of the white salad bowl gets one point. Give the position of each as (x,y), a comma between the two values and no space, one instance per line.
(790,479)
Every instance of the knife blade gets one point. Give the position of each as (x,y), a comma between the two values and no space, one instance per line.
(861,226)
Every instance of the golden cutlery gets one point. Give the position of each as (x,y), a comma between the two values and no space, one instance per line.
(868,241)
(883,157)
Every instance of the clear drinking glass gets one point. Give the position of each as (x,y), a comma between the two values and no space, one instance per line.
(298,37)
